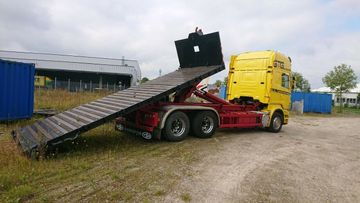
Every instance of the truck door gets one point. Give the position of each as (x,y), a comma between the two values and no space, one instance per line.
(281,86)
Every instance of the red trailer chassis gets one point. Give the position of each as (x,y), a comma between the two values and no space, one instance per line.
(149,121)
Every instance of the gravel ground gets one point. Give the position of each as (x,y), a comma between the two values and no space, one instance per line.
(313,159)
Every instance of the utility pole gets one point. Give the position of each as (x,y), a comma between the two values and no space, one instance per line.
(123,60)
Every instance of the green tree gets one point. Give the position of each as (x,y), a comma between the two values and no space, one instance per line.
(340,80)
(301,84)
(143,80)
(218,83)
(225,80)
(358,100)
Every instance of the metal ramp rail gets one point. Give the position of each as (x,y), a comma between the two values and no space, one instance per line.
(195,66)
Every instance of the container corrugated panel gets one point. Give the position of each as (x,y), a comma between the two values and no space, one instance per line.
(16,90)
(314,102)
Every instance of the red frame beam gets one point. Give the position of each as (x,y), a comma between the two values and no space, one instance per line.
(231,115)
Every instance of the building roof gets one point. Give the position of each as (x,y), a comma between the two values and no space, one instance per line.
(51,61)
(327,89)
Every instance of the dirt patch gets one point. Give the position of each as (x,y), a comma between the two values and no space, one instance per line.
(313,159)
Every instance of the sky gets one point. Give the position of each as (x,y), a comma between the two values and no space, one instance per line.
(316,34)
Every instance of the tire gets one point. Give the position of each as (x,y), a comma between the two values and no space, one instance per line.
(204,124)
(177,126)
(276,123)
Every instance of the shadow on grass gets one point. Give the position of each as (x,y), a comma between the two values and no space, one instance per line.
(110,140)
(97,141)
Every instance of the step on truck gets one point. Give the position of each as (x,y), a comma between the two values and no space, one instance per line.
(160,108)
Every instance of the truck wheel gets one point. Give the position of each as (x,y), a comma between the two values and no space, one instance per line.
(204,124)
(177,126)
(276,123)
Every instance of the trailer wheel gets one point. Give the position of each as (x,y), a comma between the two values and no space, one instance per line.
(204,124)
(177,126)
(276,122)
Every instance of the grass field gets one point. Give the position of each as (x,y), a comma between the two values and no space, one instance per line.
(348,111)
(101,165)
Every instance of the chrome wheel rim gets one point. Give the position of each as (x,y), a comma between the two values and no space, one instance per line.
(277,123)
(178,127)
(207,124)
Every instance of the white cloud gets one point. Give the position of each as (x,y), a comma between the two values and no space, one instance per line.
(332,51)
(311,32)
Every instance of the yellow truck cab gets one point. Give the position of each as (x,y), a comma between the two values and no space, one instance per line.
(265,77)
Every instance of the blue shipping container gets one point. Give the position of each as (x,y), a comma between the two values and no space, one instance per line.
(16,90)
(314,102)
(222,92)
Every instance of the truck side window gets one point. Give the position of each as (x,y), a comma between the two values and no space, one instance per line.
(285,80)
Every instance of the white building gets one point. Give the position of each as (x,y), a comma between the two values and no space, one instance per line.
(349,98)
(80,72)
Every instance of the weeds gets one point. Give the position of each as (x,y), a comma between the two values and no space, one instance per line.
(186,197)
(20,193)
(62,100)
(346,112)
(100,165)
(159,193)
(350,111)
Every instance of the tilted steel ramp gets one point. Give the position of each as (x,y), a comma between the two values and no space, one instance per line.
(67,125)
(199,57)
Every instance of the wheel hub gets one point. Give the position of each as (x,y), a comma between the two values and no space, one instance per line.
(276,123)
(178,127)
(146,135)
(207,124)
